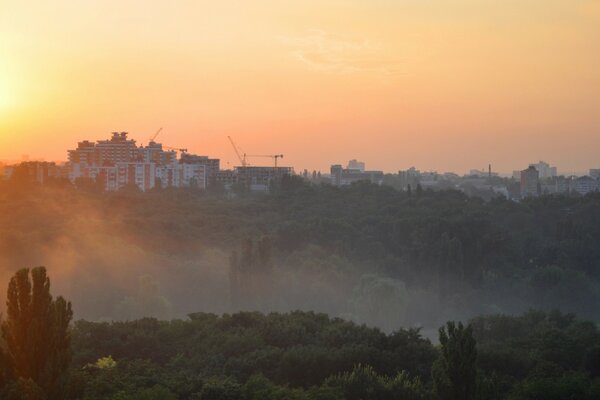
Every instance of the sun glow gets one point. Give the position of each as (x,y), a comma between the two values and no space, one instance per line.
(6,94)
(4,99)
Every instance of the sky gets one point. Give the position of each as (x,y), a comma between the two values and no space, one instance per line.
(446,85)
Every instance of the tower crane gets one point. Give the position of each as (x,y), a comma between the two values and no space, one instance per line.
(273,156)
(175,149)
(237,152)
(155,135)
(243,156)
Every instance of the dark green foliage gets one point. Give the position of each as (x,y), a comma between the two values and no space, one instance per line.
(455,372)
(221,389)
(540,354)
(309,356)
(299,349)
(23,389)
(458,256)
(363,383)
(570,386)
(36,334)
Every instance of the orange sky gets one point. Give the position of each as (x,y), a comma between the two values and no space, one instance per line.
(439,84)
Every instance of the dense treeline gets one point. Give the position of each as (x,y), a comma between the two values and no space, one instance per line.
(369,253)
(310,356)
(300,355)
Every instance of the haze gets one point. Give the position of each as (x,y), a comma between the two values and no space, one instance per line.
(395,83)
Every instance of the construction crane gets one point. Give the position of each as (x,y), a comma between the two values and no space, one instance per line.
(155,135)
(273,156)
(175,149)
(237,152)
(242,156)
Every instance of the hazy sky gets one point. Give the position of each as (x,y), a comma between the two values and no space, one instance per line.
(439,84)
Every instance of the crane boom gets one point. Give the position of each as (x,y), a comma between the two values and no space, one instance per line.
(175,149)
(155,135)
(237,152)
(273,156)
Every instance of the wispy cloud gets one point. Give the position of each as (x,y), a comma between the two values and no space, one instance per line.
(327,52)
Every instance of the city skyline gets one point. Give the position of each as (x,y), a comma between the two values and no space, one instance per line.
(119,162)
(349,160)
(396,84)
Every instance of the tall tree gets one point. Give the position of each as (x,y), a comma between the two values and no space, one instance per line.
(455,372)
(36,332)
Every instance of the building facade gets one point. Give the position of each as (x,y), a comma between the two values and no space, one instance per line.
(530,179)
(344,176)
(119,162)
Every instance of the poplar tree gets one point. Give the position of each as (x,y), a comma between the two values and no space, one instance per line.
(455,372)
(36,332)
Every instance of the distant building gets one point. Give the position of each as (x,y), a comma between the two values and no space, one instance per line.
(260,178)
(585,184)
(517,175)
(226,177)
(155,153)
(123,174)
(212,165)
(356,165)
(530,179)
(556,185)
(343,176)
(119,162)
(37,171)
(482,173)
(544,169)
(429,179)
(411,173)
(595,173)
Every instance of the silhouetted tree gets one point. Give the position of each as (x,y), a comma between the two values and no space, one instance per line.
(455,371)
(36,333)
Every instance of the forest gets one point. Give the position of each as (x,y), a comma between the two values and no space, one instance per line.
(366,253)
(309,292)
(297,356)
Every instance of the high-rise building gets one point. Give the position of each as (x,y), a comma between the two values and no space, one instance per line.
(356,165)
(544,169)
(117,149)
(212,164)
(530,179)
(155,153)
(119,162)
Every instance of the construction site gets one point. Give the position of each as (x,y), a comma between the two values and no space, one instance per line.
(118,162)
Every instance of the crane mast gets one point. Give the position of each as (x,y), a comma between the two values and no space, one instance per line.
(237,152)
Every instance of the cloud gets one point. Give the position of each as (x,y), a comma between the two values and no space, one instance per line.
(327,52)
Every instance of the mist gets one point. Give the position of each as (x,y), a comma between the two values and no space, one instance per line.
(167,254)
